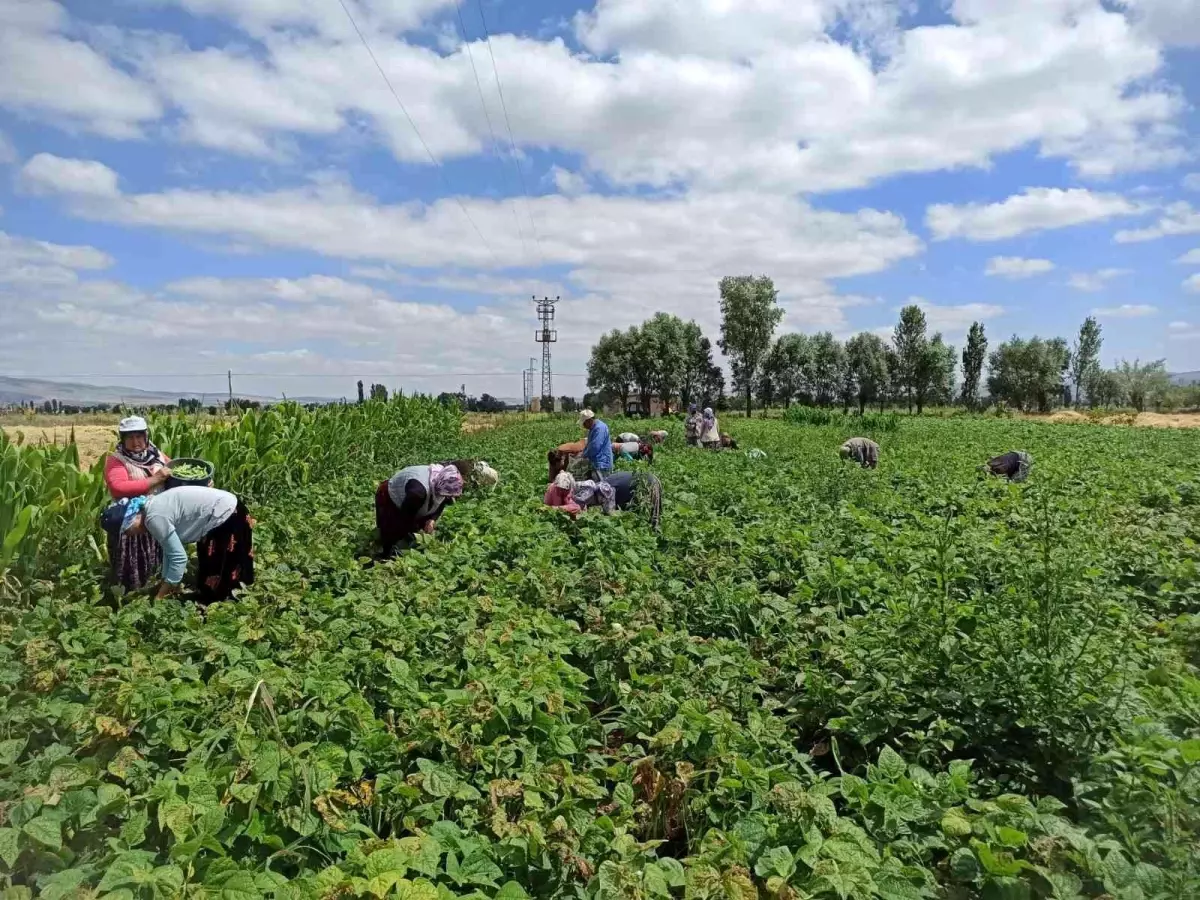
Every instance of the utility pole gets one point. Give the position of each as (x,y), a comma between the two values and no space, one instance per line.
(527,380)
(229,374)
(546,336)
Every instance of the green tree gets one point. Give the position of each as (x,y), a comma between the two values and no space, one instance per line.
(379,392)
(1028,373)
(1085,358)
(1106,389)
(610,367)
(697,362)
(973,357)
(784,366)
(664,341)
(1143,383)
(866,358)
(750,314)
(934,382)
(823,368)
(910,342)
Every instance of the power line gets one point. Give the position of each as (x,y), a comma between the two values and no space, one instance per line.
(508,124)
(331,376)
(462,26)
(436,162)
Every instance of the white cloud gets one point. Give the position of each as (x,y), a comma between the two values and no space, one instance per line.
(29,262)
(1192,285)
(568,182)
(1093,282)
(953,321)
(1191,258)
(1015,267)
(1192,181)
(80,178)
(1170,21)
(1035,209)
(1125,311)
(49,75)
(716,95)
(607,240)
(1178,218)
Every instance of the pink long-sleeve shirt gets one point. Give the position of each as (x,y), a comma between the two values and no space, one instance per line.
(120,483)
(556,496)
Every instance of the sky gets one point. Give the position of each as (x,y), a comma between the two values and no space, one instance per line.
(312,192)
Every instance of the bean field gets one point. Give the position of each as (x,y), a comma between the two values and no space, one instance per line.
(816,681)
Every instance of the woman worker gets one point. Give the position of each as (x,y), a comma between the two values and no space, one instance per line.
(214,520)
(1014,466)
(863,451)
(412,500)
(621,490)
(692,425)
(135,468)
(710,434)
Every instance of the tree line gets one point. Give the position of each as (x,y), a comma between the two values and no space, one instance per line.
(669,358)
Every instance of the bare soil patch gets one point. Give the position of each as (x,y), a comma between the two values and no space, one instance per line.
(1141,420)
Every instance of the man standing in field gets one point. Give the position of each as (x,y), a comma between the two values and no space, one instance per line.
(598,450)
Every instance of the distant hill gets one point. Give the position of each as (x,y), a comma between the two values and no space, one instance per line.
(1183,378)
(24,390)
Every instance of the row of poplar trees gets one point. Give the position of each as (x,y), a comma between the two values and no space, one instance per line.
(667,357)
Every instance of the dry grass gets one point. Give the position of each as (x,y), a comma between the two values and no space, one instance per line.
(1141,420)
(93,440)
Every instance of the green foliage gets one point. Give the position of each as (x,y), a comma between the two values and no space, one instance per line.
(818,681)
(750,314)
(1085,358)
(1028,373)
(973,357)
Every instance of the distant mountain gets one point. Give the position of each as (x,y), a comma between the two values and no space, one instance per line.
(1184,378)
(24,390)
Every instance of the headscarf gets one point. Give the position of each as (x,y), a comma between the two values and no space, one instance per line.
(564,481)
(147,457)
(692,407)
(709,419)
(445,481)
(486,475)
(132,510)
(585,492)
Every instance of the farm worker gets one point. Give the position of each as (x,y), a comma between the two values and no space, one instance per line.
(692,426)
(475,473)
(658,437)
(1014,466)
(135,468)
(598,449)
(863,451)
(412,500)
(485,475)
(215,521)
(710,434)
(631,450)
(621,490)
(626,437)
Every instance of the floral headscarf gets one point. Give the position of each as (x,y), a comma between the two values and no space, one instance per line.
(132,509)
(709,419)
(486,475)
(565,481)
(446,482)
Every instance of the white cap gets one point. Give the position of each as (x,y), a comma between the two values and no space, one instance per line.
(132,424)
(586,414)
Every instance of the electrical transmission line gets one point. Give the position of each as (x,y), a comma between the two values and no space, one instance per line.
(462,27)
(508,124)
(436,162)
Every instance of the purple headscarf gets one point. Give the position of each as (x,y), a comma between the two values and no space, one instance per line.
(446,481)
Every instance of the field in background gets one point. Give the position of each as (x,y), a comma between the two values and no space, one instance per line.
(913,682)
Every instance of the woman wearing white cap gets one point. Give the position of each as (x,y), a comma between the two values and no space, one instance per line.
(135,468)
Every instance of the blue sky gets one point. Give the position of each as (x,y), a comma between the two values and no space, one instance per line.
(191,186)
